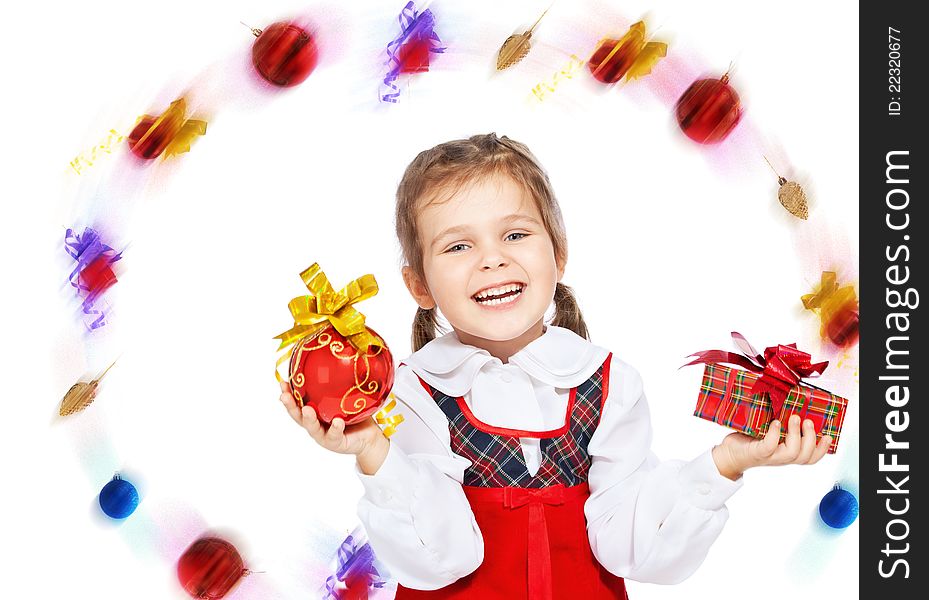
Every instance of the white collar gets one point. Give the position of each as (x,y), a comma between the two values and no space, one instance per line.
(559,357)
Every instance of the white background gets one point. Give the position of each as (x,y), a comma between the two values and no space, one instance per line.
(672,245)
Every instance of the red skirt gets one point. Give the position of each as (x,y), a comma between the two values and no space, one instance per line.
(535,548)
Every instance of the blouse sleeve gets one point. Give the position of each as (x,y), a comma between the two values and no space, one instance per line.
(414,510)
(648,520)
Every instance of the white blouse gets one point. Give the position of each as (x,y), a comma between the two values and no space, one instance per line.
(646,520)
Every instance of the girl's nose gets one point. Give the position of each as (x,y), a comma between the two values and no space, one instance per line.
(493,262)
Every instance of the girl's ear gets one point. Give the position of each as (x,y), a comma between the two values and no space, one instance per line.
(417,288)
(560,264)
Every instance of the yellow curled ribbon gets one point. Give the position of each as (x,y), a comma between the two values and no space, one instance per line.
(389,423)
(323,307)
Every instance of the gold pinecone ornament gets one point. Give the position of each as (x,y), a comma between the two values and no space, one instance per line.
(793,198)
(791,195)
(516,47)
(80,396)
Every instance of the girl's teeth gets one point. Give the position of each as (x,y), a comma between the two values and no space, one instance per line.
(497,301)
(500,290)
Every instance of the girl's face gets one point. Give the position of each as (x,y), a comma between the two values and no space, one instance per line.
(489,263)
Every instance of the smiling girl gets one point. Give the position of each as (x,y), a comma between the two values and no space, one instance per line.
(523,468)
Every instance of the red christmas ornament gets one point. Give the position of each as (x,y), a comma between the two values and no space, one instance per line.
(98,277)
(842,327)
(284,54)
(148,141)
(709,110)
(610,60)
(337,379)
(210,568)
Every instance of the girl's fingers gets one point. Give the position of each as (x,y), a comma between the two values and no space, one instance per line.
(285,387)
(312,424)
(807,443)
(821,449)
(791,447)
(334,436)
(292,409)
(768,445)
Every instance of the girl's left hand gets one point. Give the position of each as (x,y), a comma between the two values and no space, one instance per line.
(739,452)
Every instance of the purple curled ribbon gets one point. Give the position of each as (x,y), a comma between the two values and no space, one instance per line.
(85,248)
(354,564)
(414,26)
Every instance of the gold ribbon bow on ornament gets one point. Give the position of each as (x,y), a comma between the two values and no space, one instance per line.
(323,307)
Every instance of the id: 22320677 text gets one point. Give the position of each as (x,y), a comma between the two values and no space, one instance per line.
(894,72)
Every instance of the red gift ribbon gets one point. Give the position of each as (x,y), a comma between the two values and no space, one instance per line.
(540,559)
(781,367)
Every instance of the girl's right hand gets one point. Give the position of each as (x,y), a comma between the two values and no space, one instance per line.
(361,439)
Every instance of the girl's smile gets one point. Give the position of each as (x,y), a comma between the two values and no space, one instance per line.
(499,296)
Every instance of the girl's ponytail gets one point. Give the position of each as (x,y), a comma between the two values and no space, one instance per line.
(567,312)
(424,327)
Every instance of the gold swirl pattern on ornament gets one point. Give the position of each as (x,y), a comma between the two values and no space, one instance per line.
(322,340)
(336,347)
(365,386)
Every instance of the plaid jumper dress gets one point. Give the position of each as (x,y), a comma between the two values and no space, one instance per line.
(534,529)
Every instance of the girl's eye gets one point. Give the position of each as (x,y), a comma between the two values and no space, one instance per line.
(520,234)
(455,247)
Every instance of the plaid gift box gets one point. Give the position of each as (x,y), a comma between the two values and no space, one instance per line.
(725,398)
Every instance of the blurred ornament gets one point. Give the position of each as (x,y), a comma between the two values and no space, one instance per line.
(210,568)
(837,308)
(791,195)
(388,424)
(169,133)
(630,56)
(839,508)
(338,366)
(81,395)
(517,46)
(119,498)
(709,110)
(284,54)
(355,572)
(409,51)
(93,258)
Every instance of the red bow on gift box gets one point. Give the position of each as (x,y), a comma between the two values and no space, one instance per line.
(781,367)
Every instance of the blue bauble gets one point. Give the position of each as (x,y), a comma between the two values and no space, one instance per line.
(119,498)
(839,508)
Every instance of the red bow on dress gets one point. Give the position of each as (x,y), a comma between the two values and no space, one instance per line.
(540,559)
(781,367)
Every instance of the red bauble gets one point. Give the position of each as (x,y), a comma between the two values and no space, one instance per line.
(210,568)
(337,380)
(709,110)
(610,69)
(284,54)
(842,327)
(413,56)
(148,140)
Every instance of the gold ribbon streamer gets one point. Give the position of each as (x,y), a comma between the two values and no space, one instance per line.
(389,423)
(324,306)
(566,72)
(86,159)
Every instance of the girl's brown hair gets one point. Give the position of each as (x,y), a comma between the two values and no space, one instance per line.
(449,165)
